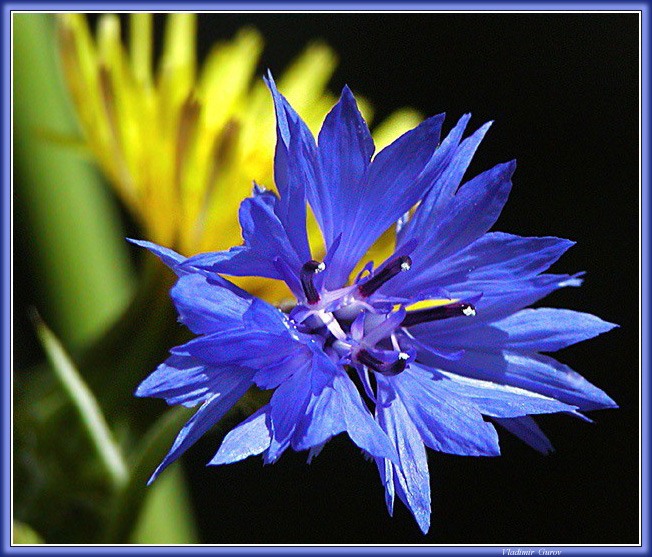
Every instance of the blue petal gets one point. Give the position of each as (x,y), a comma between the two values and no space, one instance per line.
(386,472)
(410,475)
(547,329)
(530,330)
(500,401)
(324,416)
(360,425)
(265,317)
(249,438)
(290,276)
(245,347)
(474,209)
(532,372)
(498,299)
(273,375)
(239,261)
(335,406)
(310,355)
(454,160)
(179,380)
(447,424)
(282,110)
(526,429)
(401,162)
(205,307)
(497,255)
(322,420)
(264,232)
(266,240)
(294,169)
(492,257)
(208,415)
(502,298)
(287,405)
(345,150)
(306,412)
(395,181)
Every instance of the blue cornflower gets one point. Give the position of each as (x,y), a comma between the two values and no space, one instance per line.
(413,353)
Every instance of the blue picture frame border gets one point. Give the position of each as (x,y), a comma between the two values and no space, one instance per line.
(6,247)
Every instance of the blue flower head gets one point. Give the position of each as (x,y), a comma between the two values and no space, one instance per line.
(430,348)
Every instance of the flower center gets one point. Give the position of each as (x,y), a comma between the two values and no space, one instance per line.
(363,329)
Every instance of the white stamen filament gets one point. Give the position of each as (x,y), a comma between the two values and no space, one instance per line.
(331,324)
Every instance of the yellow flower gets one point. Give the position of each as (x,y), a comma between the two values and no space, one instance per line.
(181,145)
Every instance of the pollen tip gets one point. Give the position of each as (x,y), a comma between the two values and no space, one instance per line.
(313,267)
(387,272)
(469,310)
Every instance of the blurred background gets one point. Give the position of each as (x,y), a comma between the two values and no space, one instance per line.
(563,90)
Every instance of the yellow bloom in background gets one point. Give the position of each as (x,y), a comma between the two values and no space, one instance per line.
(181,145)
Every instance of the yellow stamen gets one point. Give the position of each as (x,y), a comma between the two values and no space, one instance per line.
(428,304)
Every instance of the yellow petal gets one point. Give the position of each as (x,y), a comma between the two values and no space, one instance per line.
(227,76)
(140,41)
(177,68)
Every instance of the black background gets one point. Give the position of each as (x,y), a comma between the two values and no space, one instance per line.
(563,91)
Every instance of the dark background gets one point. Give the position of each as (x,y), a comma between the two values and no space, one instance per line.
(563,91)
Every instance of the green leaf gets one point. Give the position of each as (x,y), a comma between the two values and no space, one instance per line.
(166,516)
(145,457)
(68,227)
(83,400)
(25,534)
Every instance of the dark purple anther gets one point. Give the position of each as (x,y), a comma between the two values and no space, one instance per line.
(439,312)
(393,268)
(308,272)
(393,367)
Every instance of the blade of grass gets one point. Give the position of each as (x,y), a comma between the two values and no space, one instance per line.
(82,398)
